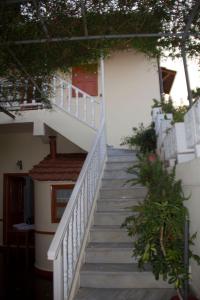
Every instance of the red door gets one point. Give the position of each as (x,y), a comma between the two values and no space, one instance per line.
(86,79)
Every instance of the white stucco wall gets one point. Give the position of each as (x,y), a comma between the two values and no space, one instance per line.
(24,146)
(131,82)
(189,173)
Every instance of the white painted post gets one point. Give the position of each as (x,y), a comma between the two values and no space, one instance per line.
(58,277)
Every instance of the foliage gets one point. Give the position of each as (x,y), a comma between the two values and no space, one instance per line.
(168,107)
(48,19)
(158,225)
(196,94)
(144,138)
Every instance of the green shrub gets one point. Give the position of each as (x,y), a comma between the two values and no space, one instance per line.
(168,107)
(143,138)
(158,226)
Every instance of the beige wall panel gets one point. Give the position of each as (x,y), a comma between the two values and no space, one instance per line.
(131,82)
(189,173)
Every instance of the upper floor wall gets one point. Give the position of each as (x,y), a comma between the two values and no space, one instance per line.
(128,82)
(131,82)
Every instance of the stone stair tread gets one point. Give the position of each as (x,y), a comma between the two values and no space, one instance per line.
(118,210)
(123,198)
(115,212)
(124,294)
(114,246)
(124,188)
(106,227)
(113,268)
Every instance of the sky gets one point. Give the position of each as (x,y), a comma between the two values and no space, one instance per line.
(179,89)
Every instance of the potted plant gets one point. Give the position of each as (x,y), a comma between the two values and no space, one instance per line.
(158,226)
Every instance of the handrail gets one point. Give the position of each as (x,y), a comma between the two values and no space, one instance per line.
(66,247)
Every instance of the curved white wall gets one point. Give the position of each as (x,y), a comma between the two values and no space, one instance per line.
(44,228)
(131,82)
(189,173)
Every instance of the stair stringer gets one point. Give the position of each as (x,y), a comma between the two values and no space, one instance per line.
(65,124)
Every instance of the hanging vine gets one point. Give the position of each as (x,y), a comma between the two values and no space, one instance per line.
(39,20)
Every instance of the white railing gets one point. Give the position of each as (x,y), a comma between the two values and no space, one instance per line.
(24,94)
(67,243)
(192,127)
(76,102)
(172,138)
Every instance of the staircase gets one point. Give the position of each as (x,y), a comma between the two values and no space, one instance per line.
(110,271)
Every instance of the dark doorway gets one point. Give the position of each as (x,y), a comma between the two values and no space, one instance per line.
(18,208)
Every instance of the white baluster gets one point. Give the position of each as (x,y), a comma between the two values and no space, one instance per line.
(25,91)
(65,265)
(77,106)
(54,90)
(58,277)
(84,108)
(61,93)
(70,252)
(34,89)
(74,240)
(93,113)
(69,87)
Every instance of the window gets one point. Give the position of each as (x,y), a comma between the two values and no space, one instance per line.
(60,195)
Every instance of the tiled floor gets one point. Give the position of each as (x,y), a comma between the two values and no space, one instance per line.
(18,279)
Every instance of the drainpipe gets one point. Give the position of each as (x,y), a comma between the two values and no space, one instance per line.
(186,74)
(160,78)
(102,84)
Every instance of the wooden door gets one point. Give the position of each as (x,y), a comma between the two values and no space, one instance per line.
(86,79)
(13,205)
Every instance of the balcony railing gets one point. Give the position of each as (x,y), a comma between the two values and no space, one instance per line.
(24,94)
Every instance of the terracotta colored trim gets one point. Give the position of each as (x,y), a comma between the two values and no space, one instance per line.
(44,232)
(44,273)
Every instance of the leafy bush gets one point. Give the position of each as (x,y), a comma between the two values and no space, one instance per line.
(158,226)
(143,138)
(196,94)
(168,107)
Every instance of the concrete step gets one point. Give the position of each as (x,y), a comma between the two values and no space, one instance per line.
(118,276)
(111,217)
(124,294)
(119,165)
(119,151)
(116,205)
(123,158)
(109,253)
(122,192)
(110,234)
(119,183)
(118,174)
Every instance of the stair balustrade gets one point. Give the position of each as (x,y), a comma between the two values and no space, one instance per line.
(71,235)
(25,94)
(176,142)
(76,102)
